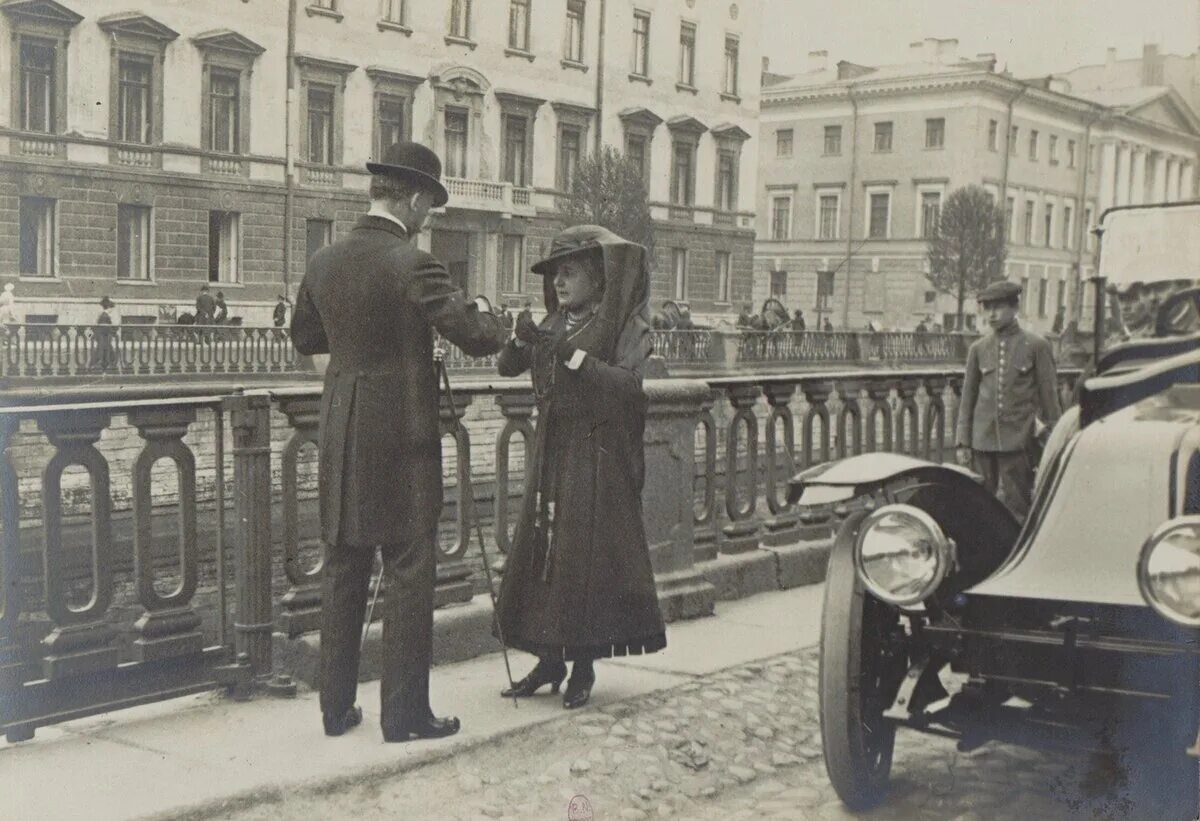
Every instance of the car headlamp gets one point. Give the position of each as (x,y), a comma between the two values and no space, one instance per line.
(1168,570)
(901,554)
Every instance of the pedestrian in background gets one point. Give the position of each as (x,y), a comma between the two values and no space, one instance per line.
(798,323)
(372,301)
(1010,384)
(279,315)
(579,585)
(8,305)
(104,356)
(827,326)
(220,309)
(205,306)
(526,314)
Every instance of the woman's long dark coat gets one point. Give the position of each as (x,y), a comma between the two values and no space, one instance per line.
(593,594)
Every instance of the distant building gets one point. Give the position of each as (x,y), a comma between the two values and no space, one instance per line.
(1152,69)
(145,154)
(857,160)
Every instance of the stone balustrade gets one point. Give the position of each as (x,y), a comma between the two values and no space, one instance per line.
(102,607)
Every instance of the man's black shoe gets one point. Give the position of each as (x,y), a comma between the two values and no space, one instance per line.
(336,725)
(431,727)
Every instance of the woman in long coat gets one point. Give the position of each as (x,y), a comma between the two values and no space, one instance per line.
(579,585)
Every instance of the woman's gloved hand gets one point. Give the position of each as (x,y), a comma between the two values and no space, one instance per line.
(527,331)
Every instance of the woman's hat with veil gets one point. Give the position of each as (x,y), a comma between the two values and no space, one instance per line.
(625,269)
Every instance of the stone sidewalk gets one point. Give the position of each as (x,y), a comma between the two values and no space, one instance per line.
(206,756)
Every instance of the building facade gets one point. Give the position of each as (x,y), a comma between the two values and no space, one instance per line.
(857,160)
(143,155)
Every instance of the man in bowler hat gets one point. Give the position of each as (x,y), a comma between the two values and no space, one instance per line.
(1010,382)
(372,301)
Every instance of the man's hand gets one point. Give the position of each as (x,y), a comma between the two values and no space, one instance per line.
(963,456)
(526,330)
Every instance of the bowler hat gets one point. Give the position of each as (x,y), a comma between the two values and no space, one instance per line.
(1002,291)
(415,163)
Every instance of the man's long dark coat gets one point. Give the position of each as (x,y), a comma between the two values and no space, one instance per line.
(371,301)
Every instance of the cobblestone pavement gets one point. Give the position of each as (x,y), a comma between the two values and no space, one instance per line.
(740,744)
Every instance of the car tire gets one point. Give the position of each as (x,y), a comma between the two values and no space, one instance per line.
(857,740)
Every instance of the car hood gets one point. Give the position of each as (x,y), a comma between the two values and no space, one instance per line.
(1116,485)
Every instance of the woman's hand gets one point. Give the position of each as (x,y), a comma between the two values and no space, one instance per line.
(527,330)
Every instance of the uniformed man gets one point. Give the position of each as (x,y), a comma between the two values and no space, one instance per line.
(1010,382)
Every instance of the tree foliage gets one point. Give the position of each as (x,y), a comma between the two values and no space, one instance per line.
(968,248)
(608,190)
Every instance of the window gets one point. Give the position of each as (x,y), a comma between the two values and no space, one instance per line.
(1048,224)
(828,206)
(1013,134)
(824,289)
(320,124)
(1068,240)
(570,146)
(1033,144)
(1053,149)
(1010,210)
(518,25)
(455,125)
(880,206)
(635,151)
(883,136)
(931,209)
(38,92)
(687,54)
(779,284)
(133,242)
(781,218)
(573,48)
(993,135)
(317,234)
(37,237)
(726,199)
(935,132)
(680,268)
(1030,206)
(1060,299)
(393,11)
(516,133)
(1043,287)
(683,173)
(224,112)
(390,122)
(730,84)
(460,19)
(514,263)
(1023,307)
(1070,153)
(783,142)
(833,139)
(223,247)
(723,267)
(641,43)
(133,100)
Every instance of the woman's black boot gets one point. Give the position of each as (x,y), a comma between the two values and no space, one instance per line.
(547,671)
(579,688)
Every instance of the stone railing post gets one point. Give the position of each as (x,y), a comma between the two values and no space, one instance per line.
(877,394)
(668,506)
(723,348)
(933,443)
(301,605)
(908,417)
(250,420)
(741,534)
(705,519)
(781,524)
(814,524)
(453,572)
(517,409)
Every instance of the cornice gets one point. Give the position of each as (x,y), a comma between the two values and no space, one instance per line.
(640,116)
(516,99)
(136,24)
(380,73)
(324,64)
(730,131)
(574,109)
(42,11)
(228,41)
(686,124)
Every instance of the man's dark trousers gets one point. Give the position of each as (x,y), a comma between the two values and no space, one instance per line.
(1009,476)
(410,570)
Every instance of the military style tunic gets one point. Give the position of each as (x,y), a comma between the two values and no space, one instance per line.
(1010,381)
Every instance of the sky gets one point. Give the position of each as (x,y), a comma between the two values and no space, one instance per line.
(1029,37)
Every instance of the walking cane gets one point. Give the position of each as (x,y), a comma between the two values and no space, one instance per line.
(467,497)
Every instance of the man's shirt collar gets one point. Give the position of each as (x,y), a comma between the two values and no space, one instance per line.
(375,211)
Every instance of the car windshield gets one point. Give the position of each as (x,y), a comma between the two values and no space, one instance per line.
(1150,245)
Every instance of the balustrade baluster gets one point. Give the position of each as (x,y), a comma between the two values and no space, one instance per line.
(301,605)
(877,393)
(781,524)
(81,641)
(168,628)
(704,519)
(933,443)
(908,417)
(741,534)
(814,523)
(517,410)
(850,420)
(453,572)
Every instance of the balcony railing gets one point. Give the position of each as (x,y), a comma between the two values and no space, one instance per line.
(37,146)
(137,157)
(225,165)
(122,572)
(488,195)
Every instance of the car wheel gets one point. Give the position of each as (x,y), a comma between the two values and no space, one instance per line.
(857,680)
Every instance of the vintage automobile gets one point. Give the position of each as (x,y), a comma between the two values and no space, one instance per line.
(1079,627)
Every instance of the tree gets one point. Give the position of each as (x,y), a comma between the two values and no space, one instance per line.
(607,189)
(968,247)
